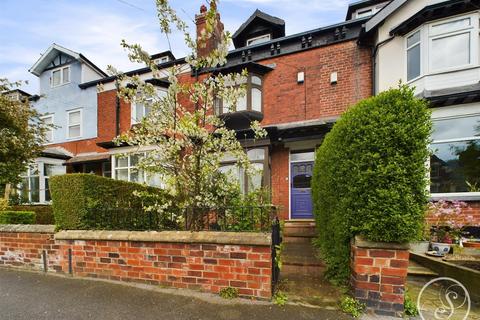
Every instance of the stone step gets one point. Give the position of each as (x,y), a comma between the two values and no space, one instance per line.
(304,240)
(298,231)
(416,269)
(296,270)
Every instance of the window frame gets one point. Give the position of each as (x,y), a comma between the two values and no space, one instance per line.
(42,179)
(51,130)
(129,167)
(62,82)
(245,179)
(218,103)
(72,125)
(249,40)
(455,112)
(426,41)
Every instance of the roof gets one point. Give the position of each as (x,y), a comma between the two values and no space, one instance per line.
(435,11)
(53,51)
(56,153)
(352,7)
(130,73)
(380,16)
(277,23)
(162,54)
(93,157)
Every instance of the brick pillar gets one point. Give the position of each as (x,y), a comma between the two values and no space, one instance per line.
(379,274)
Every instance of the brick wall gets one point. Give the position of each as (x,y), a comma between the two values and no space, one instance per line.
(23,246)
(286,101)
(152,258)
(473,210)
(280,180)
(379,274)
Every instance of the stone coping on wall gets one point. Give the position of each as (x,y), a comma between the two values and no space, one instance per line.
(361,242)
(27,228)
(213,237)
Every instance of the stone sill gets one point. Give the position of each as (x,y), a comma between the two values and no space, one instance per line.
(361,242)
(210,237)
(27,228)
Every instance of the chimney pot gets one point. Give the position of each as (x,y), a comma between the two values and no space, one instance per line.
(203,8)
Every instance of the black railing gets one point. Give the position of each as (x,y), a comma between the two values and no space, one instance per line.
(276,245)
(232,218)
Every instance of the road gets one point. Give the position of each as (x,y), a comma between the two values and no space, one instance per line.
(26,295)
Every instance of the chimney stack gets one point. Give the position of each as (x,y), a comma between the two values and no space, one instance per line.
(205,47)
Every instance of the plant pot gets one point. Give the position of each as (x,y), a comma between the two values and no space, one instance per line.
(440,247)
(419,246)
(471,244)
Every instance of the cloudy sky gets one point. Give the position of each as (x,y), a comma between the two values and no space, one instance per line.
(95,27)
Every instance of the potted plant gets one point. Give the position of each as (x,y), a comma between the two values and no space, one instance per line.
(423,243)
(448,221)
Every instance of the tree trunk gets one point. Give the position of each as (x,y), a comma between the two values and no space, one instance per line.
(8,188)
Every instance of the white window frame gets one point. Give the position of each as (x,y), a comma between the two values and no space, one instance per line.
(71,125)
(454,113)
(51,130)
(161,60)
(422,55)
(40,163)
(267,35)
(61,76)
(133,119)
(426,40)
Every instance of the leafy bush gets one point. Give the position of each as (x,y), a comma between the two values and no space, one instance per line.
(86,201)
(410,306)
(17,217)
(280,298)
(370,176)
(43,213)
(352,306)
(229,293)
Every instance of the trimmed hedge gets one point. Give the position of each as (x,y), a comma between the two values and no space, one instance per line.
(17,217)
(43,213)
(370,176)
(86,201)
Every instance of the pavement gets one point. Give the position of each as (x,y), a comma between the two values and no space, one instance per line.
(28,295)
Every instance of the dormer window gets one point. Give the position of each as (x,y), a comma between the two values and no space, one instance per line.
(161,60)
(60,76)
(364,13)
(251,101)
(259,39)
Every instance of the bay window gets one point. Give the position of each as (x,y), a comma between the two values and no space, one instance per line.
(258,159)
(251,101)
(35,186)
(125,167)
(442,46)
(455,148)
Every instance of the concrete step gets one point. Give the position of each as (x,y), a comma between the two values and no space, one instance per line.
(299,229)
(416,269)
(304,240)
(309,271)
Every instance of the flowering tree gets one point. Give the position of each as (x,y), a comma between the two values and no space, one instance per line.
(22,134)
(189,139)
(449,219)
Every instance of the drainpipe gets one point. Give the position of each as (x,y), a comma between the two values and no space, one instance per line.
(117,110)
(374,61)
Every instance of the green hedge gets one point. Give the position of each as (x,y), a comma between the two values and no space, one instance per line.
(370,176)
(43,213)
(17,217)
(86,201)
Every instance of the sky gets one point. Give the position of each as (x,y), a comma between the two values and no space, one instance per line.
(96,27)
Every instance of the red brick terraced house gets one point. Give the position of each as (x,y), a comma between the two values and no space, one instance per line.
(298,86)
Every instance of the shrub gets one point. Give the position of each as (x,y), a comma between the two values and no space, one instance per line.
(352,306)
(370,176)
(43,213)
(228,293)
(86,201)
(17,217)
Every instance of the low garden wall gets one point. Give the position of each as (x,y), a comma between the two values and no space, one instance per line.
(206,261)
(379,275)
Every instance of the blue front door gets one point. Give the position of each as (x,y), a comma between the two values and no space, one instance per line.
(300,191)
